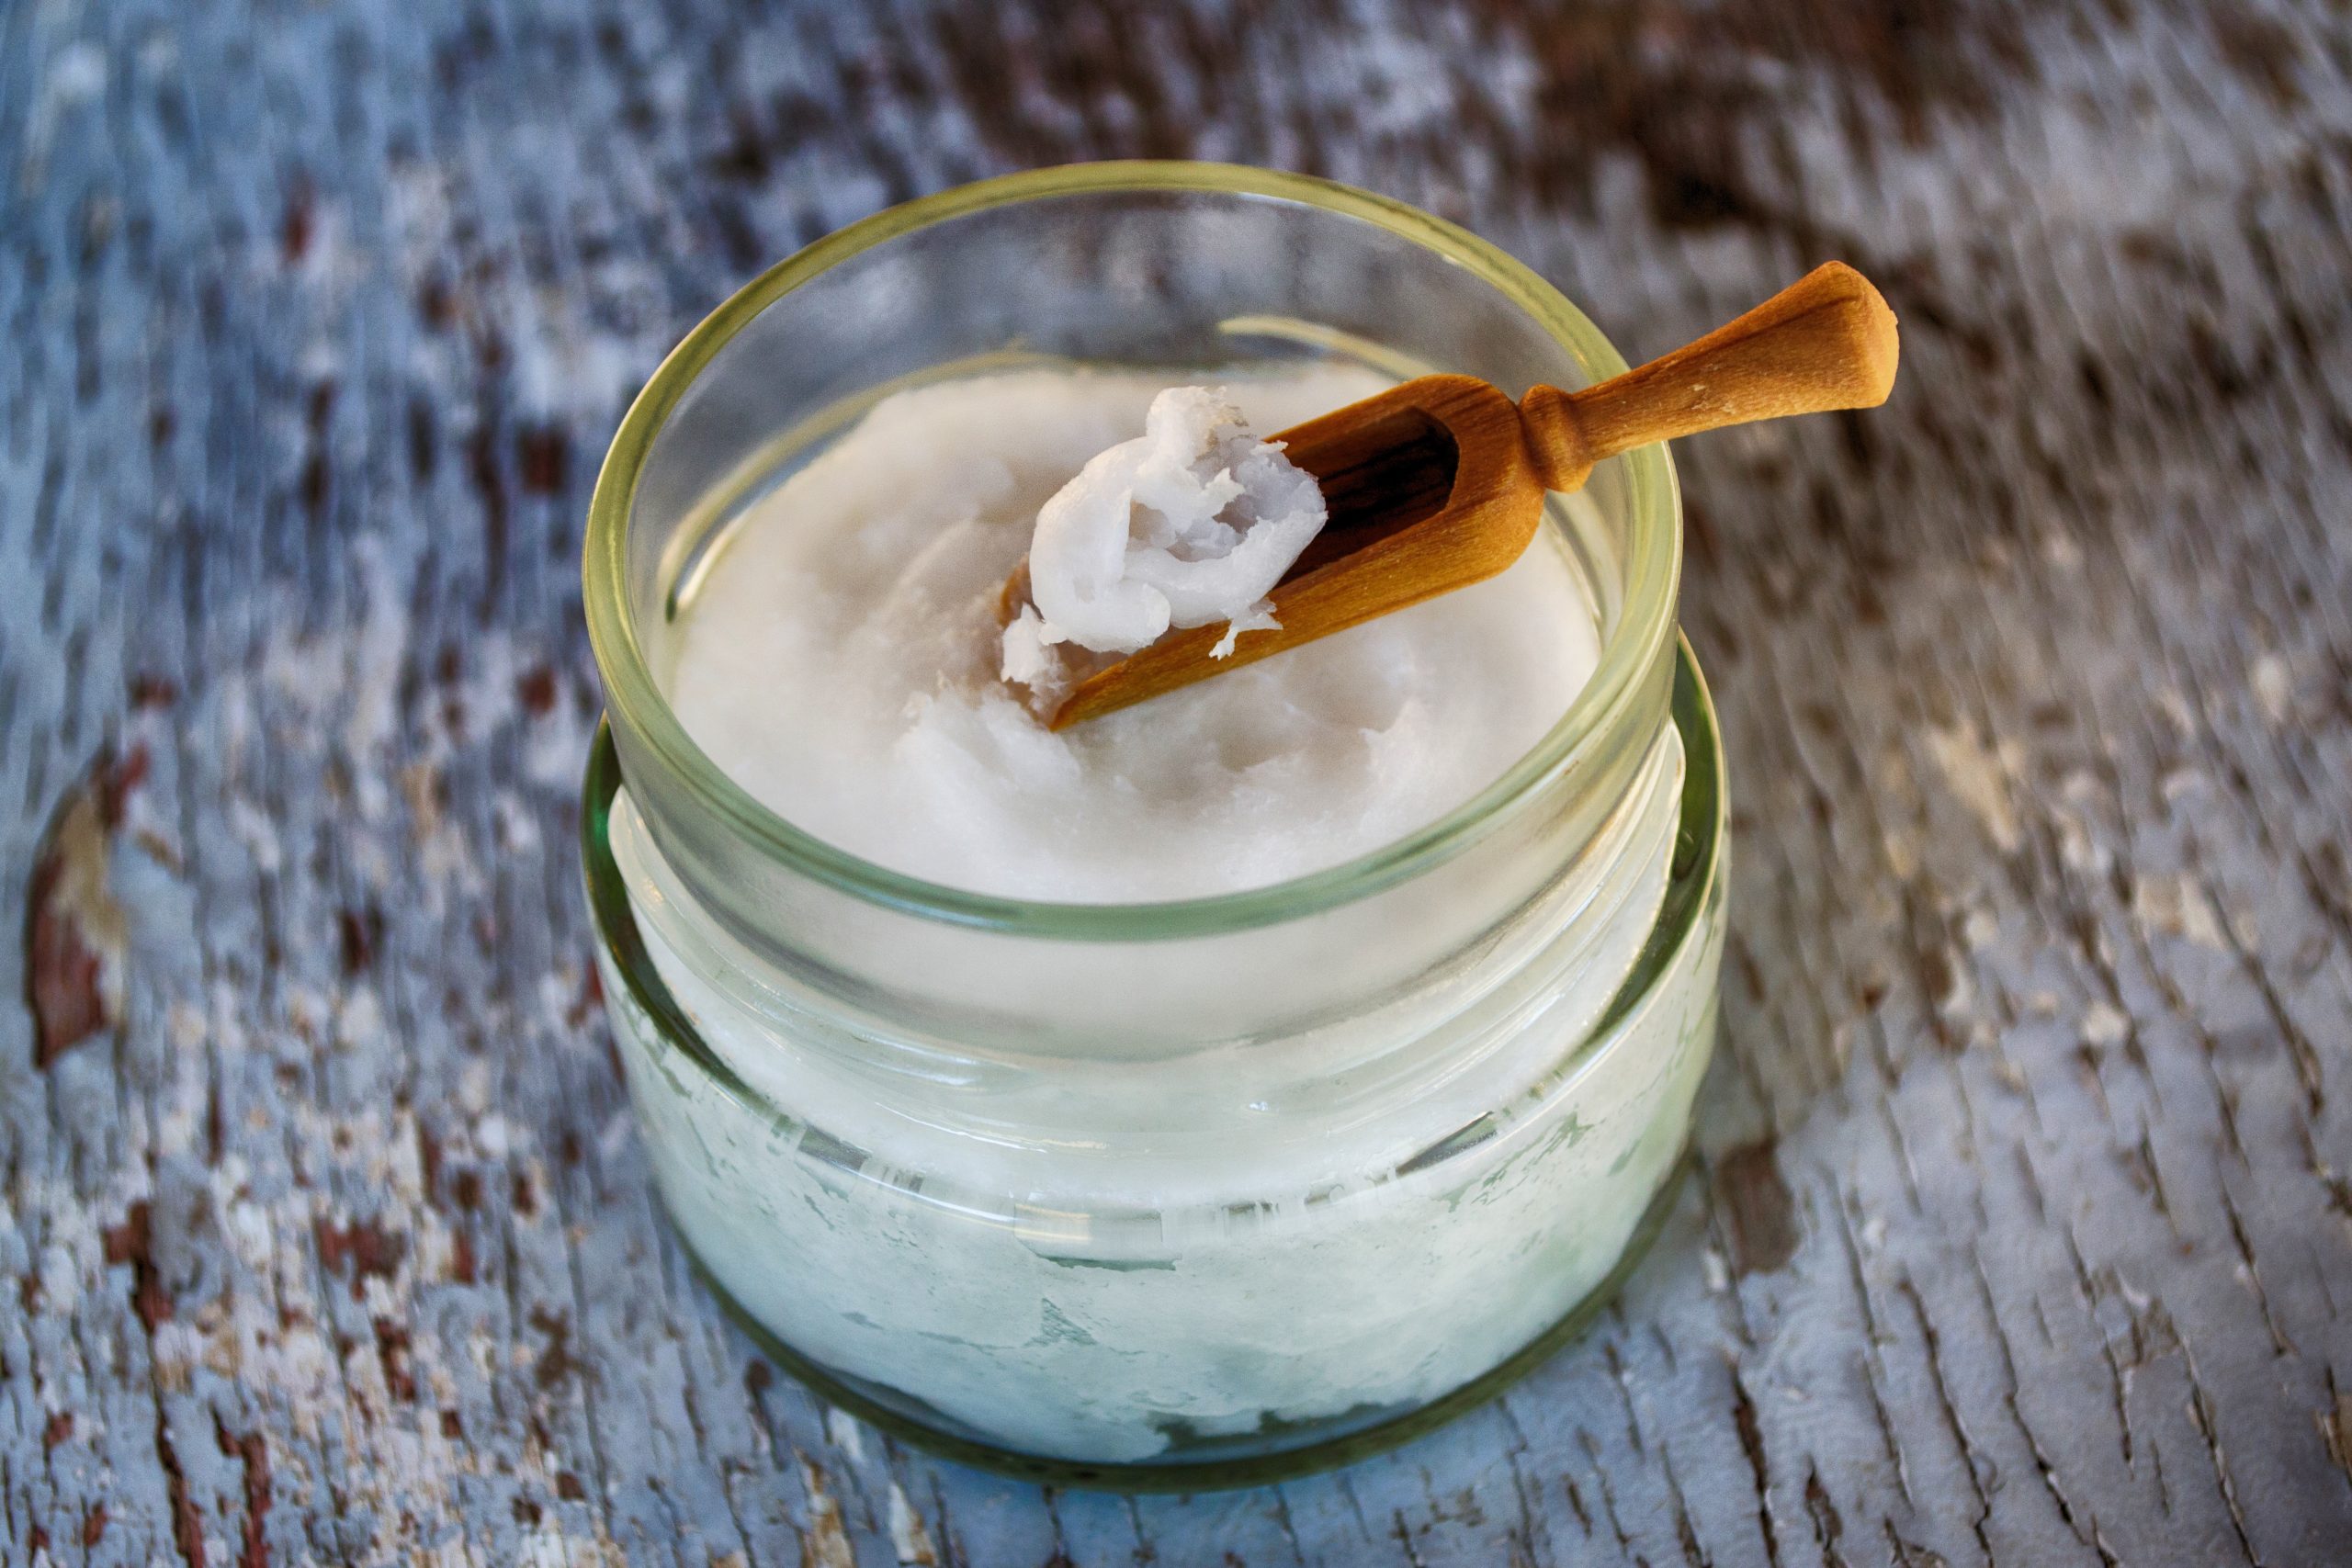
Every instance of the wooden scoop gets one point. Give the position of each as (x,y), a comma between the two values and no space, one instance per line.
(1439,482)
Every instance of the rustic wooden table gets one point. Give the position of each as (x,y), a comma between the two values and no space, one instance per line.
(2022,1230)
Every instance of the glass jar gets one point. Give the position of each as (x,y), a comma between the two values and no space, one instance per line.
(1169,1194)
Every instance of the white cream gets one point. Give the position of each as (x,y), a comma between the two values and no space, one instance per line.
(842,659)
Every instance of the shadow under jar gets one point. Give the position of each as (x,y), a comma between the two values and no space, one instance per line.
(1175,1194)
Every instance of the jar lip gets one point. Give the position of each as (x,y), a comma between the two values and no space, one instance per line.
(1644,630)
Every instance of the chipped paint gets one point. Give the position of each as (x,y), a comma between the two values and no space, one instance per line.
(826,1542)
(2274,688)
(76,937)
(1978,773)
(910,1538)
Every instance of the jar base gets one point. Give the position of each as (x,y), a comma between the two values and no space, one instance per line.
(878,1408)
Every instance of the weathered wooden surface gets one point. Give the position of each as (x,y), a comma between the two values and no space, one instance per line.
(2024,1233)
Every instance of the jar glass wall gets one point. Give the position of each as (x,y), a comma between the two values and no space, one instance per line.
(1136,1190)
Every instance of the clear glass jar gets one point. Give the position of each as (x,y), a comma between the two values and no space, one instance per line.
(1172,1194)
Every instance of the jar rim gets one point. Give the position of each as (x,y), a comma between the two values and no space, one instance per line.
(1644,630)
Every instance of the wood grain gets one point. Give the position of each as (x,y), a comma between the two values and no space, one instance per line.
(2024,1232)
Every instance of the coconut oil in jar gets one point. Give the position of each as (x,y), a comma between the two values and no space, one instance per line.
(1222,1080)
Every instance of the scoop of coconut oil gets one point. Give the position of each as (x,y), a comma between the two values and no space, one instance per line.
(1194,521)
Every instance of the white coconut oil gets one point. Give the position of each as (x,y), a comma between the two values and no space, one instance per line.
(1142,1201)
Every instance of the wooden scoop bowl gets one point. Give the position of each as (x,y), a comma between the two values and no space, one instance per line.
(1439,482)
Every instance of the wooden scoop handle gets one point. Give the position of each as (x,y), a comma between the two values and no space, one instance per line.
(1825,342)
